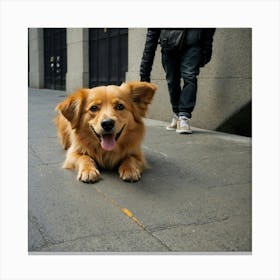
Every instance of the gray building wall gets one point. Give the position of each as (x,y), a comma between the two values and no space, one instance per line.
(224,85)
(77,75)
(36,57)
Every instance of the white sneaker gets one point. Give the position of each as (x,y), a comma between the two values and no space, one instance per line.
(173,124)
(183,126)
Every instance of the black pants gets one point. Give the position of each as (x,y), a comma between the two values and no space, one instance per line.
(183,65)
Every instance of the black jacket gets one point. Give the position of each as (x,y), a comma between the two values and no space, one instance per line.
(155,36)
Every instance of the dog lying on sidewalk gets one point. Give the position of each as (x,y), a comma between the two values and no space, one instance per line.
(102,128)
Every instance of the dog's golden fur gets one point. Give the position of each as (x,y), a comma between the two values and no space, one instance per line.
(103,128)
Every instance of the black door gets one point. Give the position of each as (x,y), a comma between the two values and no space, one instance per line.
(55,57)
(108,56)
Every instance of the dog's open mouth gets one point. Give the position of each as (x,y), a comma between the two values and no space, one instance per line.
(108,140)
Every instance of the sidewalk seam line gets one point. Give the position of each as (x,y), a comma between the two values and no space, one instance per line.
(131,216)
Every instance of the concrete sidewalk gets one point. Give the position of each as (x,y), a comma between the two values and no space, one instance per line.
(195,196)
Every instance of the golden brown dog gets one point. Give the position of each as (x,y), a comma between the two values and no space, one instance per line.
(103,128)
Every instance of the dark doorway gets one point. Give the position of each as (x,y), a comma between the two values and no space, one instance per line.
(108,56)
(55,58)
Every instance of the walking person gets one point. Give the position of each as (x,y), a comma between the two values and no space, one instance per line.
(184,51)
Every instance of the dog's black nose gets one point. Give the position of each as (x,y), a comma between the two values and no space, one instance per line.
(107,124)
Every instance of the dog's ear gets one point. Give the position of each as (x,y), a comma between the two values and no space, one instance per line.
(71,107)
(142,94)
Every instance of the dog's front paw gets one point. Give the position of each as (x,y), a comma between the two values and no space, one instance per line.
(129,173)
(88,175)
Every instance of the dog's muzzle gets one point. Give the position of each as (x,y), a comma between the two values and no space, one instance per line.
(108,138)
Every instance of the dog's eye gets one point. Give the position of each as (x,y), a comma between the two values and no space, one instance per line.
(94,108)
(119,107)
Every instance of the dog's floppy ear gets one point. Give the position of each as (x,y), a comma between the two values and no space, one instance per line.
(142,94)
(71,107)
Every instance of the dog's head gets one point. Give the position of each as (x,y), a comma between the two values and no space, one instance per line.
(109,112)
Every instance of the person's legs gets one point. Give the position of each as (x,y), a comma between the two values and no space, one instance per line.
(171,65)
(190,62)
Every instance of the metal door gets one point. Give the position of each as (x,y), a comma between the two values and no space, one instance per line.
(55,55)
(108,56)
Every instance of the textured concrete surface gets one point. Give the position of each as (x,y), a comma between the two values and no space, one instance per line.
(195,196)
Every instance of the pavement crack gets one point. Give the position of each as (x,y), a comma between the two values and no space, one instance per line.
(162,227)
(35,154)
(59,242)
(47,241)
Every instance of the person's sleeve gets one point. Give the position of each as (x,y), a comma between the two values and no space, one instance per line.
(207,44)
(149,53)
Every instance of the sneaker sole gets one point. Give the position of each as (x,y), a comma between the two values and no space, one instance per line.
(183,132)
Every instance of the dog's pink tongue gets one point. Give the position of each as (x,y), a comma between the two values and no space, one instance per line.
(108,142)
